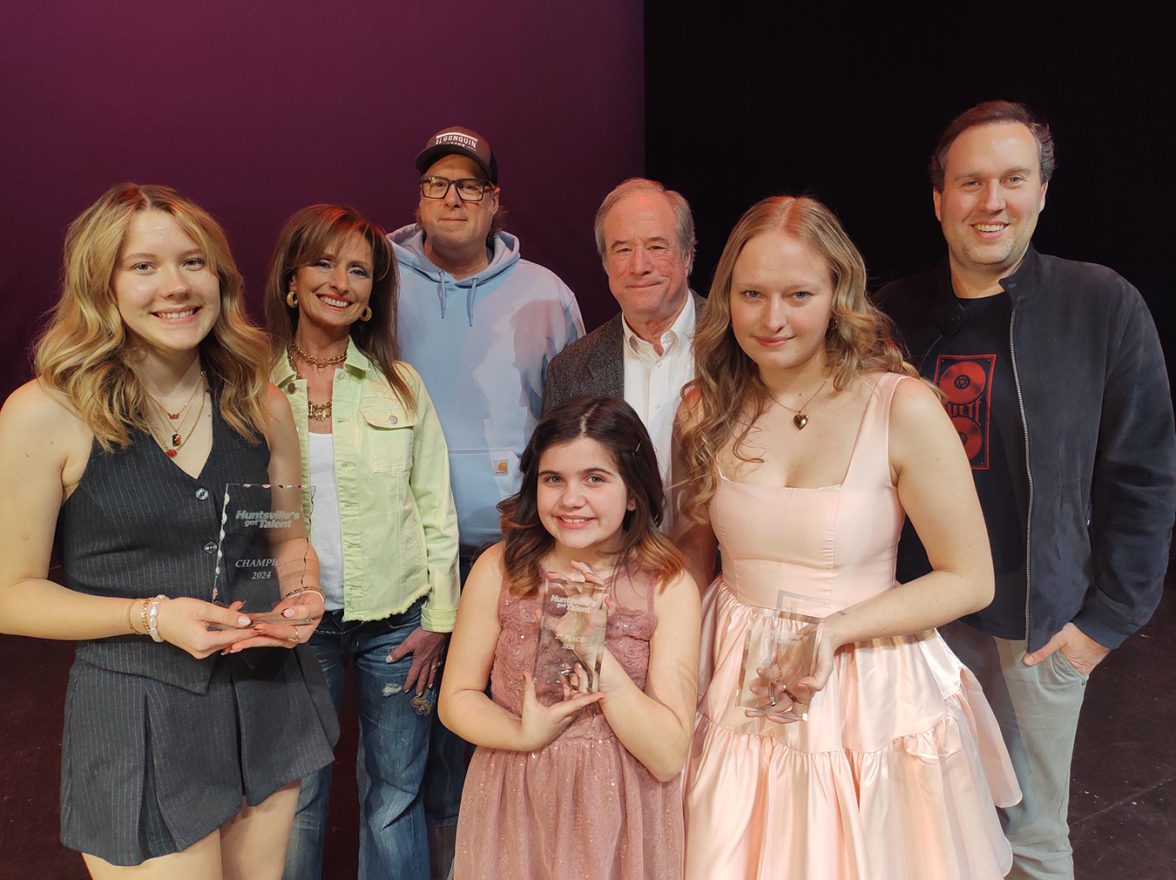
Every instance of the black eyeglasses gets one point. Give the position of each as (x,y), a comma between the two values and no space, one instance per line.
(469,189)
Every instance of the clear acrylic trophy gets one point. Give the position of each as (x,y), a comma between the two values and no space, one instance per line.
(263,547)
(776,654)
(571,639)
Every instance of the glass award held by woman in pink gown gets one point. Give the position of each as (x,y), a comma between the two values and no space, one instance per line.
(803,445)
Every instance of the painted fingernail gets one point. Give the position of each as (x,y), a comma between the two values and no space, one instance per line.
(289,612)
(243,621)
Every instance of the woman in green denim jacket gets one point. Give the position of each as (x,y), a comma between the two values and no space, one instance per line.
(382,521)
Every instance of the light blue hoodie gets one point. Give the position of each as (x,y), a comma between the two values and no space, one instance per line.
(482,345)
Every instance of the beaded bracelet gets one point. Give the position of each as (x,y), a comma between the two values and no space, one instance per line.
(153,618)
(143,616)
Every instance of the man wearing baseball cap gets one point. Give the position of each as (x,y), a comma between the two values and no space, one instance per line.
(480,324)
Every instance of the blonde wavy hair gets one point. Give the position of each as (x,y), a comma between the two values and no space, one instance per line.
(727,394)
(85,351)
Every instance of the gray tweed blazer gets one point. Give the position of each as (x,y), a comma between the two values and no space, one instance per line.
(593,364)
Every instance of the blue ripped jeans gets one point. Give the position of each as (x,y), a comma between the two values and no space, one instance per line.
(393,745)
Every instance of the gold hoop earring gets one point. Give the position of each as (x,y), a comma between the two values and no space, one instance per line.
(292,299)
(366,314)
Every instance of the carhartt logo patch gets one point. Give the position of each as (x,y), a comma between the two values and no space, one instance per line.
(501,467)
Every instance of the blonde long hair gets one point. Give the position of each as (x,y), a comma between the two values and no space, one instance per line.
(83,353)
(727,393)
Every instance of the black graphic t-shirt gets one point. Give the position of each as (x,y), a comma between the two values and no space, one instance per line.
(973,368)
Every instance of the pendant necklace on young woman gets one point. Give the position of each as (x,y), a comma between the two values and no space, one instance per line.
(800,419)
(176,420)
(318,412)
(174,416)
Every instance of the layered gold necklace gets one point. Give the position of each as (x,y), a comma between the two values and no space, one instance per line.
(178,425)
(318,412)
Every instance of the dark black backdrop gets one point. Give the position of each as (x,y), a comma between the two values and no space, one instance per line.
(844,101)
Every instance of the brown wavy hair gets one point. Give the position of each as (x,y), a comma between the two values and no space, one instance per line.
(727,394)
(614,425)
(84,352)
(305,237)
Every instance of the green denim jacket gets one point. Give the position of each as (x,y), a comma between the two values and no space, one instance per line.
(395,505)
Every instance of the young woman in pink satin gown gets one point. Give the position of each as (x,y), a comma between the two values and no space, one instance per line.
(803,444)
(587,787)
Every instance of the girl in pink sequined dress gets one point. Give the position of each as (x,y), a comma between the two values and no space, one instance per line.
(587,787)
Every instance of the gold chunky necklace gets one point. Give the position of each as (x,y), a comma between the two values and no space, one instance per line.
(801,419)
(318,412)
(318,361)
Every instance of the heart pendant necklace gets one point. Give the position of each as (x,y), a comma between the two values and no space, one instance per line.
(800,419)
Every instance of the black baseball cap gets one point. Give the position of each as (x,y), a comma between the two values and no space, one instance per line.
(461,141)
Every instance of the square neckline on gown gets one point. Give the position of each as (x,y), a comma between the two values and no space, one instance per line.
(853,454)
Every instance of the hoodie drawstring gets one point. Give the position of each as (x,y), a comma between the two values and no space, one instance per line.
(469,301)
(441,292)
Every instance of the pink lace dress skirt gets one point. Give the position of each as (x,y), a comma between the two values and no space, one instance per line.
(582,807)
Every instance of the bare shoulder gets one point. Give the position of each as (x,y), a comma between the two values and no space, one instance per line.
(681,587)
(36,404)
(921,434)
(37,412)
(483,587)
(42,431)
(914,405)
(489,569)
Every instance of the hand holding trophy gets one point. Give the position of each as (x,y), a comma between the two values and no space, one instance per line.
(781,649)
(571,635)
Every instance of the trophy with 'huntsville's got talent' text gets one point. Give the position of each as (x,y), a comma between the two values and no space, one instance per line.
(263,547)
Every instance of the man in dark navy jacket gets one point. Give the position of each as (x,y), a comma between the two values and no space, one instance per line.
(1053,374)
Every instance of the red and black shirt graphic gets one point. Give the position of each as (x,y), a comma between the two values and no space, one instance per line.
(973,368)
(966,383)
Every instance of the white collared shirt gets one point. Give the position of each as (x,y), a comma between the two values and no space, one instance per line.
(653,384)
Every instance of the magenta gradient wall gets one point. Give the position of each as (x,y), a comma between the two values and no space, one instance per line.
(257,108)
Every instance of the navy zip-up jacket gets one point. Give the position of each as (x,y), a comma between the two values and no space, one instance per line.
(1101,449)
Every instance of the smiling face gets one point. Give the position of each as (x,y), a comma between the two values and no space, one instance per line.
(992,194)
(455,229)
(581,498)
(335,289)
(167,295)
(781,300)
(647,271)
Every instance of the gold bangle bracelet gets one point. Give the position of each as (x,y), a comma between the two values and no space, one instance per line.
(143,616)
(130,622)
(311,589)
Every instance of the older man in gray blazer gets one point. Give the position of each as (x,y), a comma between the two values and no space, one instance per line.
(645,237)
